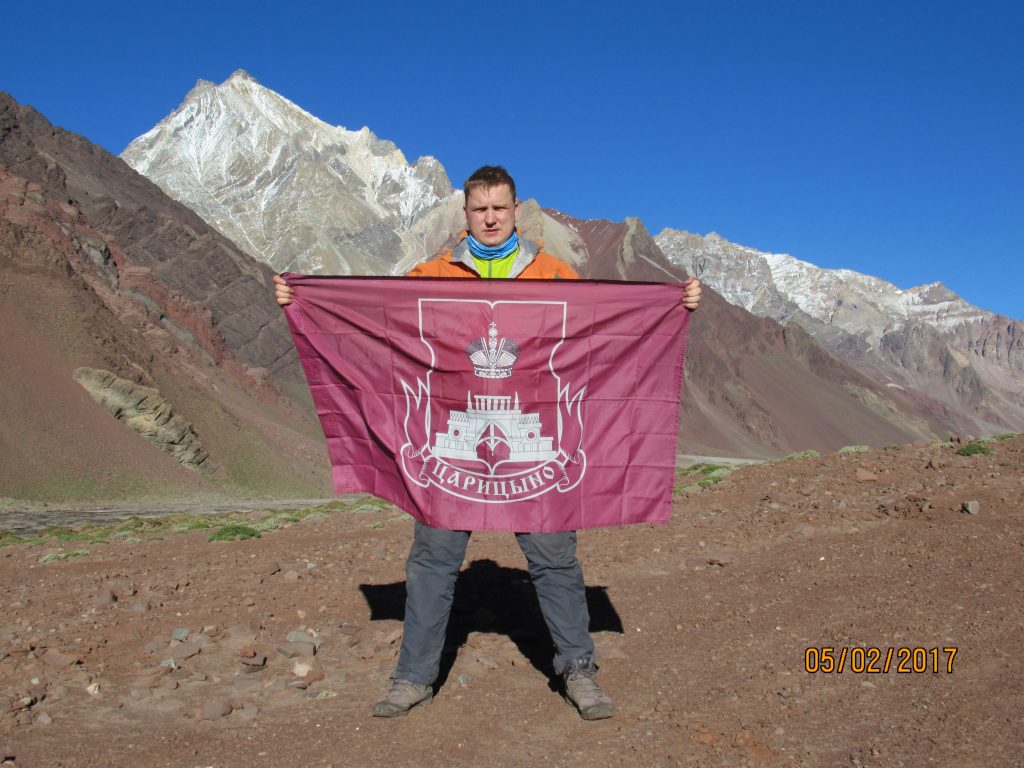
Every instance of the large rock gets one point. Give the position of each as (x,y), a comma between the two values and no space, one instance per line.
(146,413)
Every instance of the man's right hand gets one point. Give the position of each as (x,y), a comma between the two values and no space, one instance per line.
(283,292)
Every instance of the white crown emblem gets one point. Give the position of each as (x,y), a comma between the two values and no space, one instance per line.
(492,359)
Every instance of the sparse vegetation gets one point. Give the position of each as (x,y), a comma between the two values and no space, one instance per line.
(138,529)
(811,454)
(234,532)
(974,448)
(854,449)
(701,476)
(1001,436)
(55,556)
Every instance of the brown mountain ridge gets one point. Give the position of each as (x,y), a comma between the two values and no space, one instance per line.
(101,270)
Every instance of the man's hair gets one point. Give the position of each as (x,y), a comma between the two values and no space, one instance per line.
(489,176)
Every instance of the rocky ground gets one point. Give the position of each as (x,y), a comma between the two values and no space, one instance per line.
(149,645)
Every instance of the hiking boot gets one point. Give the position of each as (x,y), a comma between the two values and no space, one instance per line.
(582,689)
(400,697)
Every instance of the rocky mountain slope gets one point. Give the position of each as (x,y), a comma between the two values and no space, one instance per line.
(925,340)
(101,270)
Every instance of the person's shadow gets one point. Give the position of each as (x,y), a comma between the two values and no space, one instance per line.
(492,598)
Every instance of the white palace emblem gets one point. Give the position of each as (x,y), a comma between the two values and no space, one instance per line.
(497,449)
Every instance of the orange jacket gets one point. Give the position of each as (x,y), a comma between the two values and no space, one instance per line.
(530,264)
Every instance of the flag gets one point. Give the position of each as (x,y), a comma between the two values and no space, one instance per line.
(505,405)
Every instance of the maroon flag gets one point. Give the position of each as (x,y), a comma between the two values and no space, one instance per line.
(500,405)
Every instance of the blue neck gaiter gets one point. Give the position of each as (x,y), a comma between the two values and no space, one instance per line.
(491,252)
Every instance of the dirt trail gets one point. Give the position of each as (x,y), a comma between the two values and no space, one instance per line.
(702,628)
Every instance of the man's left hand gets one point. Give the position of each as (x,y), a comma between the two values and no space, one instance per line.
(691,294)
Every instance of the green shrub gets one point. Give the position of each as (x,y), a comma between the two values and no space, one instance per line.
(193,523)
(234,532)
(1003,436)
(811,454)
(974,448)
(854,449)
(700,475)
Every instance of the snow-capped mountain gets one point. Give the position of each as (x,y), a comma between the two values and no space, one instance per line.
(293,191)
(925,337)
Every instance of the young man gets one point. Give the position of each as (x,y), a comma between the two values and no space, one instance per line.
(491,248)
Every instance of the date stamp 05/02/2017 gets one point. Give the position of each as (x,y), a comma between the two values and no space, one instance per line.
(827,659)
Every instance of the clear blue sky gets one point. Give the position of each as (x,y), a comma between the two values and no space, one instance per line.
(884,137)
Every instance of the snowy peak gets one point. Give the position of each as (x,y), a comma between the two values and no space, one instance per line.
(859,304)
(294,191)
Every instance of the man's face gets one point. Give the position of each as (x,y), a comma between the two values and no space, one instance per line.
(491,214)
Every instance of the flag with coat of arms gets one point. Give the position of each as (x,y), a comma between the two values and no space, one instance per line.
(526,405)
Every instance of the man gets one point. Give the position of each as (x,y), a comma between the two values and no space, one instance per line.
(492,248)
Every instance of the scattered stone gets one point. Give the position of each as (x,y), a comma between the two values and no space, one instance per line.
(200,640)
(864,476)
(24,701)
(216,709)
(298,683)
(93,689)
(54,658)
(251,664)
(140,606)
(42,719)
(308,670)
(157,646)
(291,576)
(463,679)
(186,651)
(972,507)
(59,692)
(170,664)
(180,634)
(122,590)
(290,650)
(299,637)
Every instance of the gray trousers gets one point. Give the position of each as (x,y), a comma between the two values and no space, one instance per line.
(430,573)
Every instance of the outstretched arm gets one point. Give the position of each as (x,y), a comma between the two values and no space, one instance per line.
(691,294)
